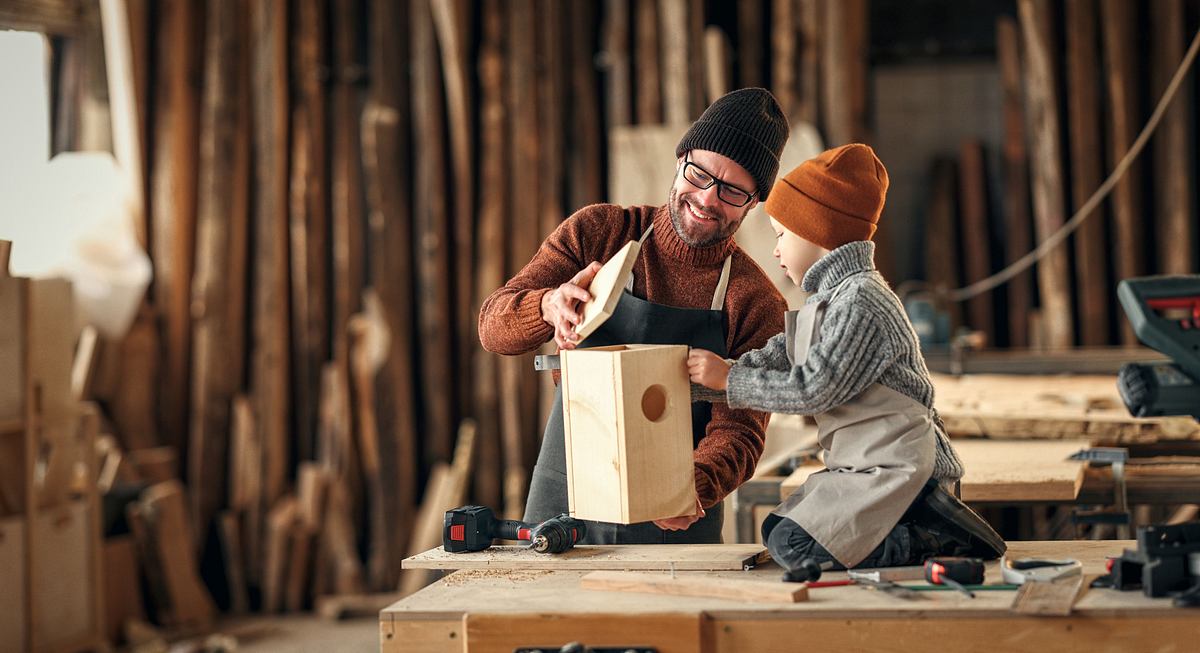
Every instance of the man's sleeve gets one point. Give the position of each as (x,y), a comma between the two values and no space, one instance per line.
(730,450)
(510,319)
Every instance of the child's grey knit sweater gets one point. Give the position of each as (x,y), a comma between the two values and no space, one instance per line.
(865,338)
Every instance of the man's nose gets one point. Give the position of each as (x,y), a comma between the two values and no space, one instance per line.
(710,198)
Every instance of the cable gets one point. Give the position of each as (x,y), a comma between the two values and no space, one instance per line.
(1054,240)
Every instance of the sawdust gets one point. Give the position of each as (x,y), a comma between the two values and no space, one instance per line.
(512,575)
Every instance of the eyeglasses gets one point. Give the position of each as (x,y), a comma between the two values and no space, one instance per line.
(702,179)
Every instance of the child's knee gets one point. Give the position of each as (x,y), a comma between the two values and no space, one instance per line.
(789,543)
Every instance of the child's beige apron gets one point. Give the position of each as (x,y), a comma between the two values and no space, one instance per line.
(879,451)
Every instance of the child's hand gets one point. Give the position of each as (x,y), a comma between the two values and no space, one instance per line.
(707,369)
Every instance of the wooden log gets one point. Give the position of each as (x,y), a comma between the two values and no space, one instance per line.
(309,218)
(972,195)
(270,371)
(1048,202)
(1173,167)
(1118,22)
(783,54)
(754,591)
(1018,237)
(648,76)
(345,179)
(677,51)
(585,143)
(431,242)
(615,39)
(492,245)
(844,72)
(750,39)
(173,202)
(941,236)
(218,289)
(1083,99)
(808,100)
(385,161)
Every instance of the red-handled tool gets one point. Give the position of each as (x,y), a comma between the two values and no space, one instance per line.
(955,572)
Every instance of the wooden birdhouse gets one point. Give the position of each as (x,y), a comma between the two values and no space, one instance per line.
(628,426)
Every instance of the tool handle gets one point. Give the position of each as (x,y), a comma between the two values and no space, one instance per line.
(510,529)
(965,571)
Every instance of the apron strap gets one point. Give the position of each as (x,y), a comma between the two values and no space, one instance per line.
(718,302)
(641,241)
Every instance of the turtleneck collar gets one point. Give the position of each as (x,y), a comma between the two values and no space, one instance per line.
(667,240)
(831,269)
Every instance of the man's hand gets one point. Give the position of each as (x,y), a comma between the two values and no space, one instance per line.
(707,369)
(562,308)
(683,522)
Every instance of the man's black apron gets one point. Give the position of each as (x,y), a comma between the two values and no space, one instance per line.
(635,321)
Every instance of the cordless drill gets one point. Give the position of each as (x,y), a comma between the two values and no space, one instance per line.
(473,528)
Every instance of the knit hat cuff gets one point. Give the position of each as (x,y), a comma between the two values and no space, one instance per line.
(813,221)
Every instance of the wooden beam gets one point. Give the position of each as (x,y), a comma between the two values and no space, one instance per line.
(1048,202)
(1121,63)
(1083,100)
(753,591)
(677,51)
(976,233)
(585,140)
(277,553)
(941,236)
(718,66)
(247,496)
(809,97)
(844,72)
(649,96)
(165,537)
(123,94)
(270,370)
(750,39)
(229,535)
(783,53)
(53,17)
(345,179)
(642,557)
(218,289)
(1173,166)
(1018,236)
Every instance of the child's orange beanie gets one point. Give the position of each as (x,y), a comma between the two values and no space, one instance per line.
(833,199)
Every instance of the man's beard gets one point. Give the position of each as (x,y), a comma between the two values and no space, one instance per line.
(724,230)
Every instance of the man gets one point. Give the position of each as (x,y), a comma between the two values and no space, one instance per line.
(691,285)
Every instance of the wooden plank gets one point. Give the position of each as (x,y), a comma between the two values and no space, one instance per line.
(718,67)
(345,179)
(585,140)
(752,591)
(1083,98)
(54,17)
(683,557)
(844,72)
(155,465)
(133,398)
(277,553)
(12,339)
(492,246)
(751,29)
(606,288)
(123,93)
(1001,471)
(233,562)
(386,149)
(1018,236)
(246,495)
(1048,407)
(1173,167)
(1049,598)
(616,44)
(810,60)
(122,591)
(673,16)
(173,179)
(14,603)
(1052,272)
(218,289)
(784,58)
(648,76)
(169,539)
(431,221)
(269,366)
(666,633)
(976,233)
(941,236)
(1118,24)
(299,566)
(60,578)
(308,218)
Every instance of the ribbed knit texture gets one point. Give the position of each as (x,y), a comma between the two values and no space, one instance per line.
(865,338)
(668,271)
(747,126)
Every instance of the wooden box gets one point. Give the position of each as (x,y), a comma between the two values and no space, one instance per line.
(628,425)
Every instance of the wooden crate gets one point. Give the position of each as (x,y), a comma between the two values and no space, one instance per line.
(628,424)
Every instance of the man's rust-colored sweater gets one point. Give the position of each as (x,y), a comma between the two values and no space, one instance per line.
(668,271)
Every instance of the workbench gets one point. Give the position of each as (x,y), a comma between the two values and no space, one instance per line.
(501,610)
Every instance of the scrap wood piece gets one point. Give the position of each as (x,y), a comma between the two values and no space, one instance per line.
(277,554)
(229,534)
(683,557)
(721,588)
(1055,598)
(163,532)
(606,288)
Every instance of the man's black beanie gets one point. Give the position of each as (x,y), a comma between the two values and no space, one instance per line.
(747,126)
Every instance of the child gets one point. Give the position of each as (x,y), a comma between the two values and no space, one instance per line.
(850,358)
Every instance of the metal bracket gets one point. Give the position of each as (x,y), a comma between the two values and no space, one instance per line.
(1116,457)
(543,362)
